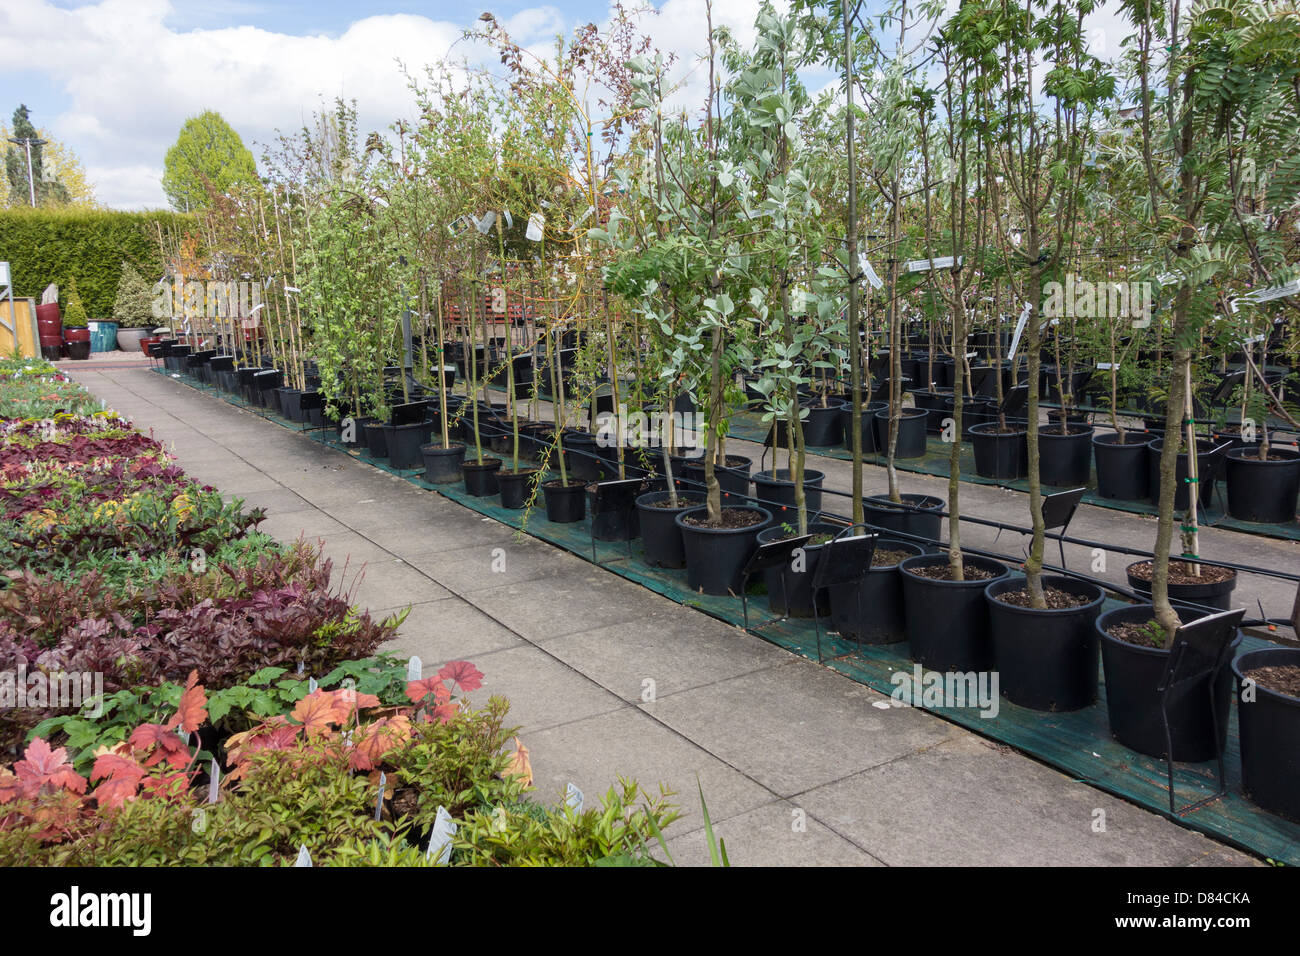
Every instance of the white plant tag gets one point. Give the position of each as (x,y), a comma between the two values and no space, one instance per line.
(573,798)
(510,220)
(379,798)
(312,686)
(484,225)
(869,272)
(414,668)
(1107,366)
(304,858)
(444,827)
(214,780)
(1020,328)
(536,222)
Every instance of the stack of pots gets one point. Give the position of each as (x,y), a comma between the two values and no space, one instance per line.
(49,326)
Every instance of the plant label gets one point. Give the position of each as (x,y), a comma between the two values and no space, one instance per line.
(484,224)
(414,669)
(4,273)
(1020,328)
(311,685)
(304,858)
(510,220)
(926,265)
(1252,340)
(444,827)
(573,798)
(1108,366)
(536,222)
(214,780)
(379,798)
(869,272)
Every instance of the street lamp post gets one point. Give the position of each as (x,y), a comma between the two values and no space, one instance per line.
(28,142)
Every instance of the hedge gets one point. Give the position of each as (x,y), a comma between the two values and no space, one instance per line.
(45,245)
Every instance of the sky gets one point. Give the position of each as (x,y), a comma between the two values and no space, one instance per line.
(115,79)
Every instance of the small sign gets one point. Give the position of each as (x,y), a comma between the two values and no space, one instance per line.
(311,685)
(926,265)
(214,780)
(304,858)
(1252,340)
(1020,328)
(1107,366)
(869,272)
(510,220)
(414,669)
(4,273)
(379,798)
(536,222)
(573,798)
(484,225)
(444,827)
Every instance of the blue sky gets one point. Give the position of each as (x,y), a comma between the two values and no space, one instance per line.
(115,79)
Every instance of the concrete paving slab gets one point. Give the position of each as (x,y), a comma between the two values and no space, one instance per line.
(776,834)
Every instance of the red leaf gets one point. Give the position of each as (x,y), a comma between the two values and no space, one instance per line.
(381,737)
(445,712)
(193,710)
(42,767)
(418,690)
(464,674)
(318,710)
(163,744)
(121,777)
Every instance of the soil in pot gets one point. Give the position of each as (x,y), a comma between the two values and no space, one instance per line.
(1046,658)
(948,621)
(1263,491)
(1270,730)
(716,554)
(442,466)
(661,538)
(1134,659)
(790,591)
(1065,455)
(1211,588)
(481,479)
(1122,468)
(871,610)
(565,504)
(516,487)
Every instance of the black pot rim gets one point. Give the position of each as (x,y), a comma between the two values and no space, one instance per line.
(1243,456)
(1109,440)
(994,588)
(1128,573)
(942,558)
(985,430)
(1278,696)
(1191,614)
(811,525)
(489,464)
(432,449)
(673,511)
(915,499)
(766,476)
(750,529)
(902,413)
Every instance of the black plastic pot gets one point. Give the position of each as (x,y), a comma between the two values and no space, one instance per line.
(376,439)
(1046,659)
(1122,469)
(733,480)
(715,557)
(1133,674)
(1270,736)
(822,429)
(1002,456)
(661,538)
(774,490)
(948,621)
(616,525)
(565,504)
(482,481)
(1208,461)
(1065,459)
(790,592)
(442,465)
(1263,490)
(870,445)
(933,402)
(404,442)
(1216,595)
(871,611)
(291,404)
(911,432)
(516,487)
(584,456)
(919,515)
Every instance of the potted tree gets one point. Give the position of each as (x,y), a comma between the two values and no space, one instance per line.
(76,331)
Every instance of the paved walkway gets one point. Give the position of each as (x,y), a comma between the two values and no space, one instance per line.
(607,678)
